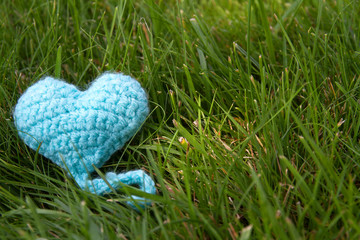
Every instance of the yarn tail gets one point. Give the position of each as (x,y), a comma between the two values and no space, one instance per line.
(136,177)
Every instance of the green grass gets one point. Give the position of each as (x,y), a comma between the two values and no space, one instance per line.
(254,128)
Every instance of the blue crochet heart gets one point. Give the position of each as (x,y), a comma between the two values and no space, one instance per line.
(79,129)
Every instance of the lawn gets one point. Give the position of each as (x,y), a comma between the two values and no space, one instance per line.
(254,125)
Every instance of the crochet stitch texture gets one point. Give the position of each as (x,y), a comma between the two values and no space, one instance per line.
(79,129)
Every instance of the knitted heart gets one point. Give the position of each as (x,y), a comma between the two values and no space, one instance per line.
(79,129)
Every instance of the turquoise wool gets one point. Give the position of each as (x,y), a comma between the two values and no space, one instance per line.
(79,129)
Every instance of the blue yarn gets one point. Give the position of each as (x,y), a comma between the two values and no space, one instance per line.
(79,129)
